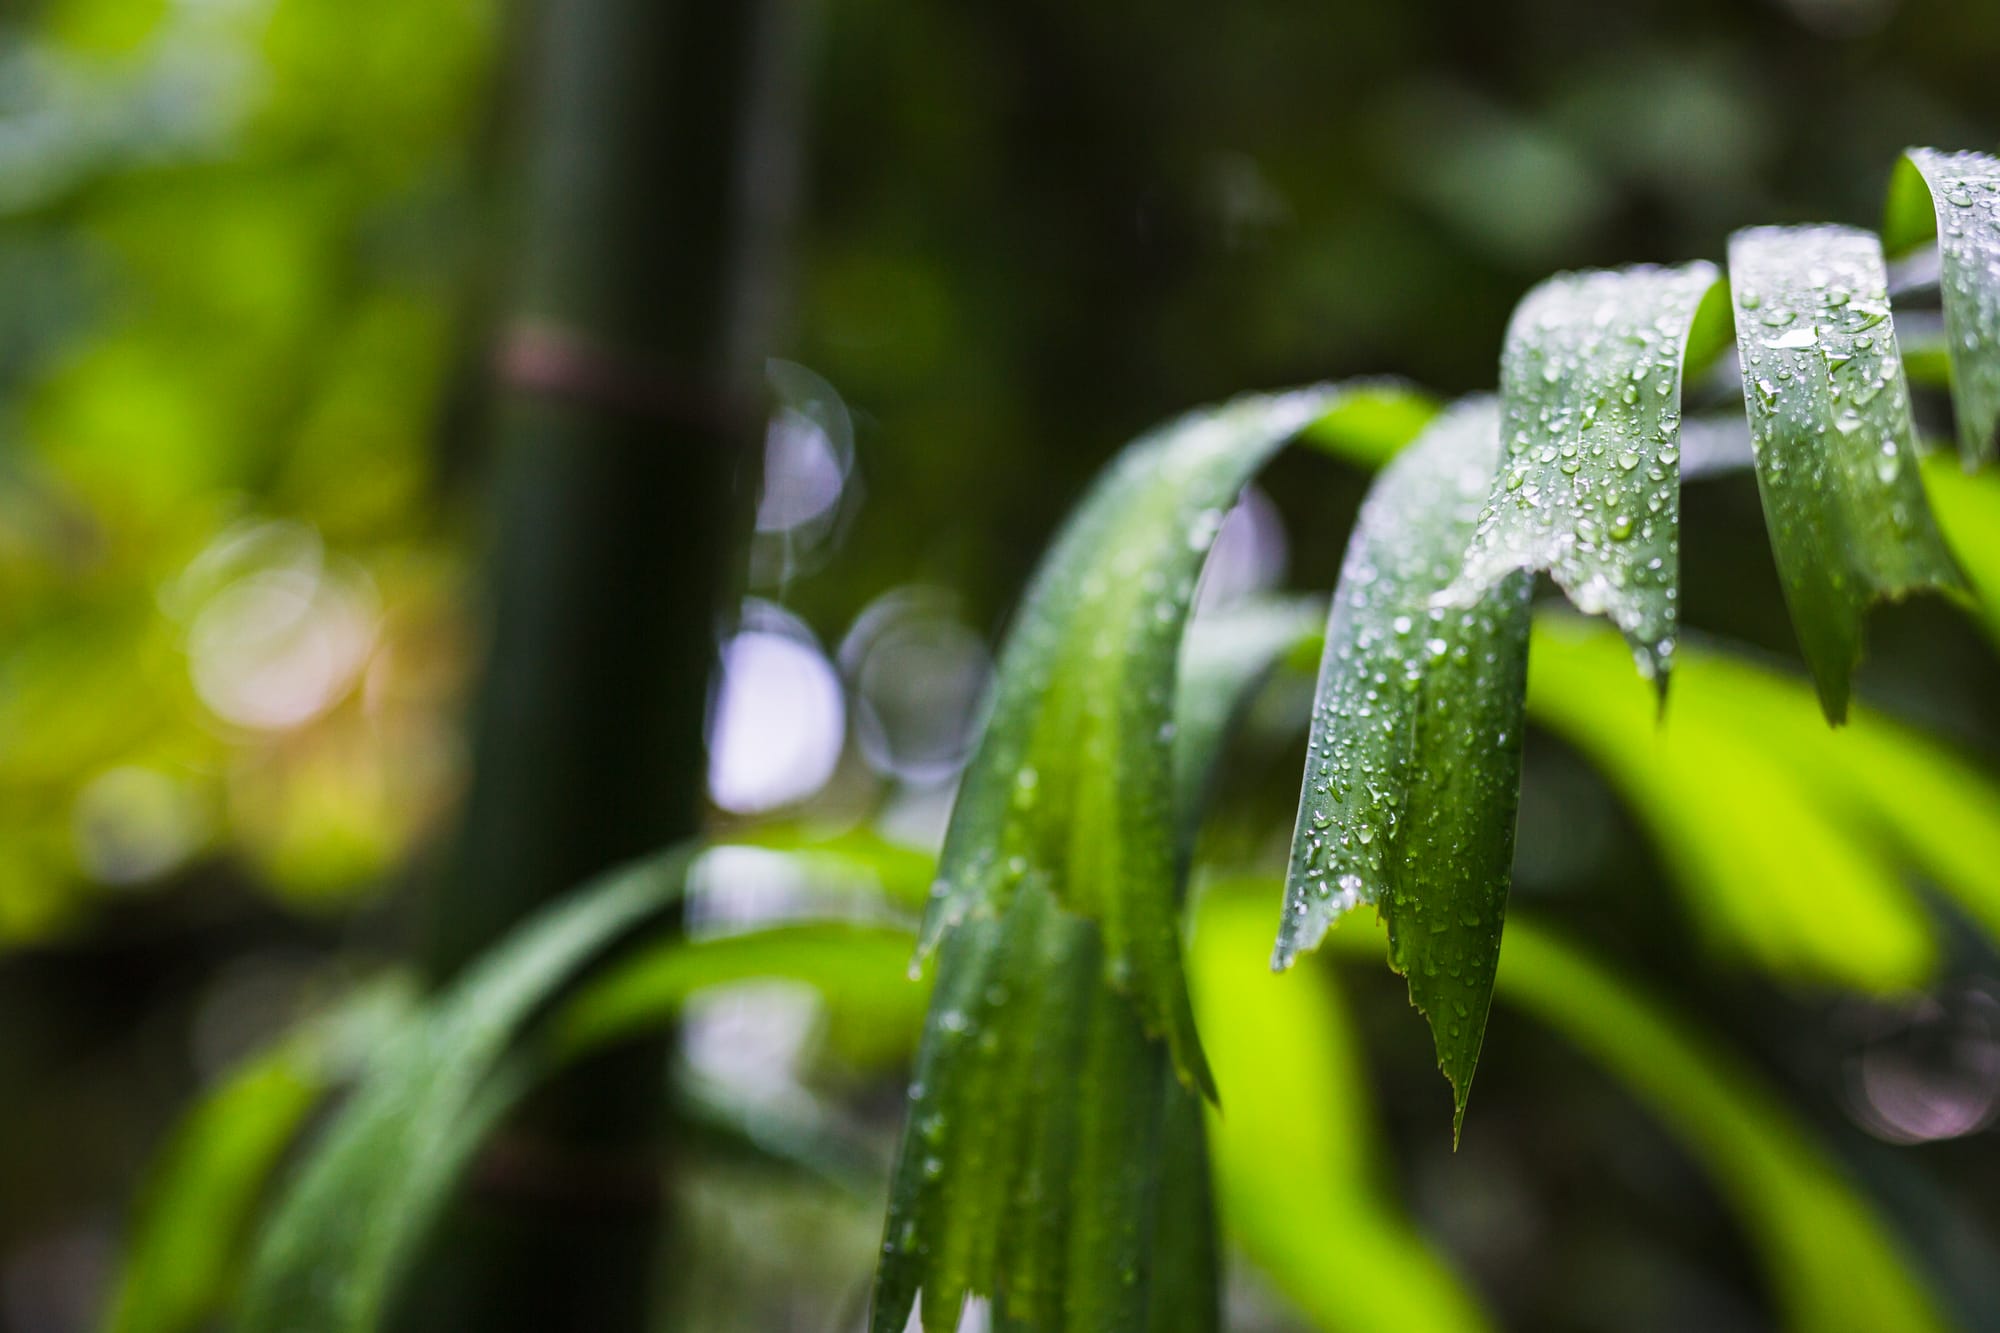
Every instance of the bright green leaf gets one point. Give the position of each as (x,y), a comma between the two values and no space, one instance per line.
(1589,483)
(1964,217)
(1836,449)
(865,964)
(1414,765)
(1967,509)
(1370,421)
(1298,1154)
(1771,870)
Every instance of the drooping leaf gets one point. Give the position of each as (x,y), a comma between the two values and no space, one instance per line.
(195,1220)
(1955,197)
(1772,870)
(352,1219)
(1835,446)
(1414,763)
(1072,786)
(1297,1151)
(1589,482)
(1051,1159)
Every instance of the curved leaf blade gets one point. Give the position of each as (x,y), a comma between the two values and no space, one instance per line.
(352,1218)
(1072,786)
(1963,214)
(1589,482)
(1834,442)
(1413,765)
(1046,1161)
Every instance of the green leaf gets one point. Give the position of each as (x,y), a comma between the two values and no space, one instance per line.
(1222,658)
(1834,1266)
(864,964)
(354,1216)
(1967,509)
(1371,421)
(1298,1153)
(1589,483)
(1835,446)
(1773,870)
(1414,764)
(1051,1159)
(200,1201)
(1071,789)
(1963,215)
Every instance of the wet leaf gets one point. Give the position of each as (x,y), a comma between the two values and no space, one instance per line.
(1835,446)
(351,1221)
(1589,482)
(1955,198)
(1071,790)
(1414,763)
(1048,1160)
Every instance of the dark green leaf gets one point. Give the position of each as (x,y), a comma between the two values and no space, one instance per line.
(1051,1159)
(1589,484)
(1836,449)
(1963,213)
(352,1219)
(1413,767)
(1072,785)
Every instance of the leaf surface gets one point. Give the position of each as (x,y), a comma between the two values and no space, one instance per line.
(1051,1159)
(1835,446)
(1589,482)
(1955,198)
(1071,789)
(1414,762)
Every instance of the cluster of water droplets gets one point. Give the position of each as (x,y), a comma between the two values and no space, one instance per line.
(1965,191)
(1386,635)
(1830,426)
(1589,482)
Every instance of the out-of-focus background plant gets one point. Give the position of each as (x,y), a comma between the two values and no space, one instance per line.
(249,256)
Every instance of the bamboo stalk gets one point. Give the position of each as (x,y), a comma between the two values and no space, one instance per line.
(655,176)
